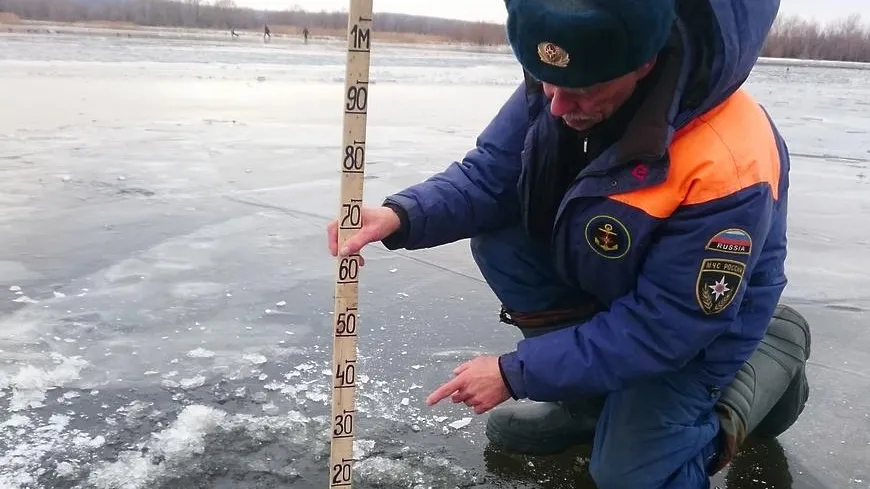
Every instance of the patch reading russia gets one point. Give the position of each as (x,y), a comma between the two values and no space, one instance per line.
(608,237)
(731,241)
(718,281)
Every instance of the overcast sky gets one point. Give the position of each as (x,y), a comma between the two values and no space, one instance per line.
(493,10)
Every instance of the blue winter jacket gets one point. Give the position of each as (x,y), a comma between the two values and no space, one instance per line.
(678,229)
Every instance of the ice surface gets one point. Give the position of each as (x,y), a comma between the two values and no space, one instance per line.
(159,196)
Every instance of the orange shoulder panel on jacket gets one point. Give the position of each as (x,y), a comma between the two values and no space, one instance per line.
(728,149)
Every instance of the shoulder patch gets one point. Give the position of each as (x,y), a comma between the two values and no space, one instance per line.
(608,237)
(717,283)
(731,240)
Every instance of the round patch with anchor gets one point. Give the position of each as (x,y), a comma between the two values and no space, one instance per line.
(608,237)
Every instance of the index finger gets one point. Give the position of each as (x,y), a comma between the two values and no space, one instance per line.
(332,237)
(445,390)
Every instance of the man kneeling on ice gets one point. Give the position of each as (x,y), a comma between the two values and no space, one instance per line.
(627,206)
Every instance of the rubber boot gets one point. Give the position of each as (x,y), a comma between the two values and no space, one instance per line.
(544,428)
(770,390)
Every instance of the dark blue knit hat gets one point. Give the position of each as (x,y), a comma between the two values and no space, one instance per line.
(577,43)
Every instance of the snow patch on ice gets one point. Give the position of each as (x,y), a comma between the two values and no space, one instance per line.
(185,440)
(31,384)
(27,446)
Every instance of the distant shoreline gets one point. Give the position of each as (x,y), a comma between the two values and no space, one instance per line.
(280,33)
(285,35)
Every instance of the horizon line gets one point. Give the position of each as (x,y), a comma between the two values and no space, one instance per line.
(783,13)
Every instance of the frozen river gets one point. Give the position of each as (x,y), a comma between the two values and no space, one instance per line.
(165,289)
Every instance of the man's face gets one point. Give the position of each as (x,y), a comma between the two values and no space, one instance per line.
(583,108)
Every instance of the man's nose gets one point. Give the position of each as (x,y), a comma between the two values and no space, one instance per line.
(562,103)
(565,102)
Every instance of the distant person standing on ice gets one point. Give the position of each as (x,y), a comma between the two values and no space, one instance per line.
(305,35)
(628,207)
(266,33)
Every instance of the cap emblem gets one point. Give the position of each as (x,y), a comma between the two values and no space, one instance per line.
(553,55)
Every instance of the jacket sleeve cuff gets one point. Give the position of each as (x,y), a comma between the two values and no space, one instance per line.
(398,239)
(512,374)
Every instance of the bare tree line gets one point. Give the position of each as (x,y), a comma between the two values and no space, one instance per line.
(845,40)
(223,14)
(791,37)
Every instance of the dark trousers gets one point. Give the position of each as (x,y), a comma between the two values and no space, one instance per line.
(661,434)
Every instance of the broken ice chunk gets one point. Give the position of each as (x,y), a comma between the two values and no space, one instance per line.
(254,358)
(193,382)
(316,396)
(200,353)
(461,423)
(26,299)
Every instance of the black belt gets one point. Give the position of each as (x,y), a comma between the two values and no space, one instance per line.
(551,317)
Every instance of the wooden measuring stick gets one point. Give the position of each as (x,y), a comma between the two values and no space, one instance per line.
(344,340)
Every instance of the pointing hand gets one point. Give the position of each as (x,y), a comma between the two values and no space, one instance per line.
(377,224)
